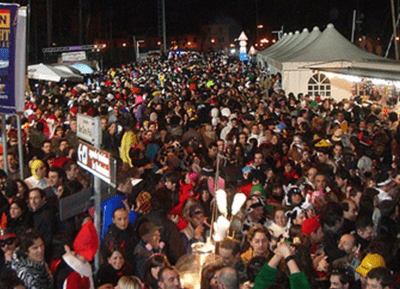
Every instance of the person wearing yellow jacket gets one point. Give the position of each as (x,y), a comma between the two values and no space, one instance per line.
(128,139)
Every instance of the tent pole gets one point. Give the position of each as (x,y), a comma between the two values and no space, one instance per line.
(20,148)
(4,139)
(396,47)
(353,27)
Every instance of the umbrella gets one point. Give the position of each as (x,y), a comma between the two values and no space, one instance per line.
(83,68)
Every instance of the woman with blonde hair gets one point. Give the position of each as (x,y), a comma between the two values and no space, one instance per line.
(129,282)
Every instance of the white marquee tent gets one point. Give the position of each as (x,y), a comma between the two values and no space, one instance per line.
(52,73)
(300,60)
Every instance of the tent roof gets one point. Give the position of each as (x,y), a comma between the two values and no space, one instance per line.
(83,68)
(302,43)
(278,44)
(46,72)
(390,71)
(286,46)
(331,46)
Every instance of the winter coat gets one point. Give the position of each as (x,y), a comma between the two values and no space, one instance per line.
(126,239)
(268,276)
(73,274)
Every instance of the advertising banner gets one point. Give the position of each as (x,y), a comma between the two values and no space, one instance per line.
(76,56)
(8,30)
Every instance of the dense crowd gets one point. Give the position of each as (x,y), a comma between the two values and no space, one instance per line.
(321,180)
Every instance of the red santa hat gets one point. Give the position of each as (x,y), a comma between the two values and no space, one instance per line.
(87,241)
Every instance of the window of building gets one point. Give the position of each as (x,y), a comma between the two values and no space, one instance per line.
(319,84)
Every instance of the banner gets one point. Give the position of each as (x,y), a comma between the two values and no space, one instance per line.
(75,56)
(8,30)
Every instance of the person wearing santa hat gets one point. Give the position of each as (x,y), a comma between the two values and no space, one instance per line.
(75,271)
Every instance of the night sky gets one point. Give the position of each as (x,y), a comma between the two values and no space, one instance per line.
(123,19)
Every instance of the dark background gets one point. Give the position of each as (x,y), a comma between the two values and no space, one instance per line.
(121,19)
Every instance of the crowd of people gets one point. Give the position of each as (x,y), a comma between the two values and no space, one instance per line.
(321,179)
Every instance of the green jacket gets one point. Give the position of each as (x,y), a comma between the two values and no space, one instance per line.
(268,275)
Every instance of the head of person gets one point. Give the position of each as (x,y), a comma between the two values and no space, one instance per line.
(121,218)
(379,278)
(311,173)
(312,228)
(116,257)
(279,217)
(73,125)
(150,234)
(209,278)
(153,265)
(38,169)
(228,278)
(295,197)
(9,189)
(213,150)
(56,177)
(12,161)
(258,159)
(171,180)
(350,211)
(18,209)
(23,189)
(341,178)
(168,278)
(31,246)
(129,282)
(37,198)
(342,278)
(71,170)
(320,182)
(369,262)
(365,227)
(196,215)
(124,182)
(8,240)
(46,146)
(355,195)
(229,251)
(331,217)
(297,216)
(259,238)
(63,147)
(348,244)
(256,208)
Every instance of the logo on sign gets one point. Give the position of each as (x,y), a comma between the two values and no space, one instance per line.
(83,154)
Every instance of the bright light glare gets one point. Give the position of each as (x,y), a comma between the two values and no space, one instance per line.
(233,50)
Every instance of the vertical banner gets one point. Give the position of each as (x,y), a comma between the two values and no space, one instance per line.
(8,30)
(20,59)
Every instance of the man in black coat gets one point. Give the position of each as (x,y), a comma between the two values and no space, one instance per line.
(43,216)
